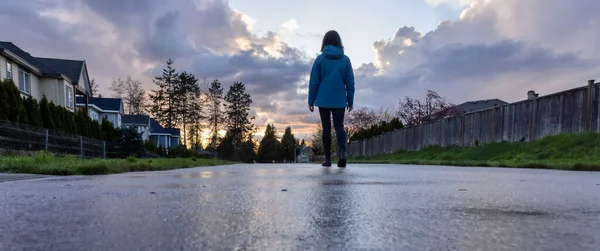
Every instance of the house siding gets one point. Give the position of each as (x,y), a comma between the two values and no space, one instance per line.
(112,117)
(36,90)
(174,141)
(83,80)
(48,88)
(91,112)
(164,141)
(141,129)
(2,67)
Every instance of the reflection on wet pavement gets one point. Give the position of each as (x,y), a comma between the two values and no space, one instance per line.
(290,207)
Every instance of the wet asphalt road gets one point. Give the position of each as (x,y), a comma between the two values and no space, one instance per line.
(305,207)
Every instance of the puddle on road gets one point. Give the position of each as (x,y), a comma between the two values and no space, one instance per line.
(500,212)
(375,183)
(70,179)
(181,186)
(205,175)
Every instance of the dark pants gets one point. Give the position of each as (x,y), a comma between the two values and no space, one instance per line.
(338,124)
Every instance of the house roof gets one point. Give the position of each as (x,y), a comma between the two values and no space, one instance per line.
(135,119)
(106,104)
(174,131)
(45,70)
(48,67)
(156,128)
(477,105)
(70,68)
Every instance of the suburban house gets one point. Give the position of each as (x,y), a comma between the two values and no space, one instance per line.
(467,107)
(140,122)
(165,137)
(151,130)
(100,108)
(60,80)
(306,155)
(478,105)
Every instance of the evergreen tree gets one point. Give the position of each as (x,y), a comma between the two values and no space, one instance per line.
(108,130)
(247,151)
(14,101)
(194,136)
(288,144)
(130,142)
(69,121)
(46,114)
(237,112)
(82,123)
(396,123)
(270,148)
(23,119)
(26,109)
(164,99)
(96,130)
(33,112)
(188,106)
(215,96)
(3,100)
(239,127)
(55,116)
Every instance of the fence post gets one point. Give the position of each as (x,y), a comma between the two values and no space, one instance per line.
(104,149)
(46,140)
(462,130)
(493,124)
(81,145)
(532,120)
(588,106)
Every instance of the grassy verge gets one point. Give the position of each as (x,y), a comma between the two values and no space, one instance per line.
(579,152)
(44,163)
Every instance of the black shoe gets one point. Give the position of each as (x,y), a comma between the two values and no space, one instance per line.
(326,163)
(342,163)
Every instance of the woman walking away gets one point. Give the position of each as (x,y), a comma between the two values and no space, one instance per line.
(331,89)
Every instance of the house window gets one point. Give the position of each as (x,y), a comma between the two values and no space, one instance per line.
(94,116)
(24,82)
(9,71)
(69,96)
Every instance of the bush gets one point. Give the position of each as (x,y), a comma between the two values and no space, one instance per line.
(50,116)
(132,159)
(377,129)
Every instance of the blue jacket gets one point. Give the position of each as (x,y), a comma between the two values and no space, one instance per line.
(331,80)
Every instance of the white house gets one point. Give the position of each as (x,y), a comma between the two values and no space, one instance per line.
(100,108)
(60,80)
(151,130)
(165,137)
(140,122)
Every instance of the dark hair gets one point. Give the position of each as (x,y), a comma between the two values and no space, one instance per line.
(332,38)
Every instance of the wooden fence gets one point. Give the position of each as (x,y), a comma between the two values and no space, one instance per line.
(570,111)
(25,138)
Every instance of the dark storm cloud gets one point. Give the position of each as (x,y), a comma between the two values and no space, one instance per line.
(166,39)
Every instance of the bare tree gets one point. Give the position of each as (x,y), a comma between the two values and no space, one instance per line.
(132,93)
(364,118)
(434,107)
(93,88)
(360,119)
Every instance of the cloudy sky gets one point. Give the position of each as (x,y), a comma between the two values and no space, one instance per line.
(463,49)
